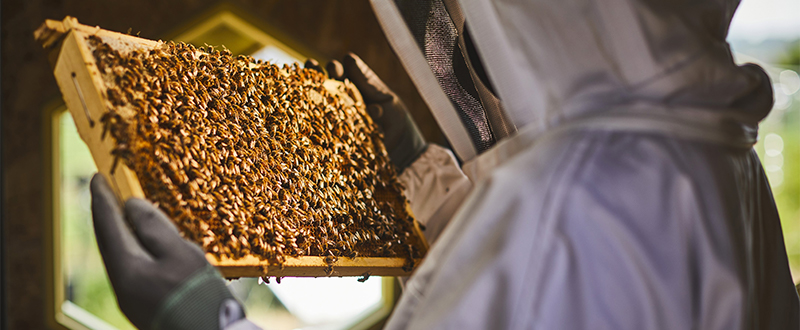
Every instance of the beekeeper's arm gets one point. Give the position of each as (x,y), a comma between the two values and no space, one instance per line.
(161,280)
(435,184)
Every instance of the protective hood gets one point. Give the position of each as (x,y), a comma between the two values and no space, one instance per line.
(554,62)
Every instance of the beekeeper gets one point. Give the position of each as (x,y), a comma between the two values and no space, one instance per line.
(608,177)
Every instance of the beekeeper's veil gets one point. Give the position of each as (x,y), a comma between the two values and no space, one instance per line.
(538,65)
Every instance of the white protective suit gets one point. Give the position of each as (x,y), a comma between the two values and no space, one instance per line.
(623,193)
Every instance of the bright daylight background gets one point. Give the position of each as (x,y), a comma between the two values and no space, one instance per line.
(767,32)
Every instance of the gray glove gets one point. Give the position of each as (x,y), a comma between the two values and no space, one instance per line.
(161,280)
(402,138)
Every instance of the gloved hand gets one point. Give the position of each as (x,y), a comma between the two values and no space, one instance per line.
(402,138)
(161,280)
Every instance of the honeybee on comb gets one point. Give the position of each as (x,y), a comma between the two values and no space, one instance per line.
(249,158)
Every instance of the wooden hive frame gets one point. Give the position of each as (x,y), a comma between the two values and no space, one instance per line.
(83,91)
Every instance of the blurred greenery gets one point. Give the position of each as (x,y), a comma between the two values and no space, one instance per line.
(787,195)
(784,121)
(791,57)
(84,274)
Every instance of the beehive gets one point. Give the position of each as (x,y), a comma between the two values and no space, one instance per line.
(275,171)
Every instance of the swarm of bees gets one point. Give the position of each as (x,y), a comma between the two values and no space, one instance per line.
(248,158)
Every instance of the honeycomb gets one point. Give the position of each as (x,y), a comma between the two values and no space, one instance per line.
(249,158)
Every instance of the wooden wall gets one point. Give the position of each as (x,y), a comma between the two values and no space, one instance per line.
(328,27)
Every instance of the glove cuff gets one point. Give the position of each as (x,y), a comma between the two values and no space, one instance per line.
(410,146)
(195,304)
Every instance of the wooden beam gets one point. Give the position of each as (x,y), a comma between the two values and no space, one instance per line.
(309,266)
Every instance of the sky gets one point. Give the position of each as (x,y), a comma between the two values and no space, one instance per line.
(758,20)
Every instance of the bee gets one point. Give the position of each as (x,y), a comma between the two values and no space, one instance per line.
(242,145)
(408,265)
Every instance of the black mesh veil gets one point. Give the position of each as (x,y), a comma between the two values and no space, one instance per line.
(439,30)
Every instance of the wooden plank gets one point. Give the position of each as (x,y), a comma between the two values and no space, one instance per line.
(83,89)
(308,266)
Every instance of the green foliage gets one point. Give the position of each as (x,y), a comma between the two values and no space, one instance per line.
(792,55)
(786,197)
(84,273)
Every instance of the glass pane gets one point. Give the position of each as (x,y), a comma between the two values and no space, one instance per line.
(222,34)
(275,55)
(309,303)
(85,282)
